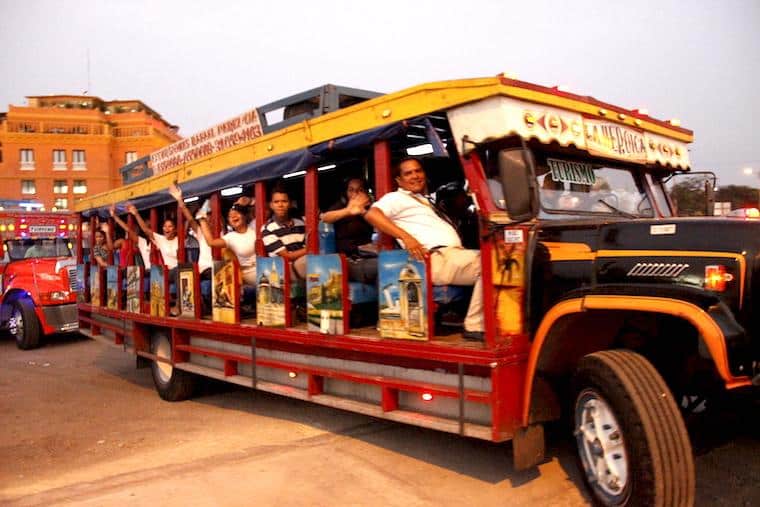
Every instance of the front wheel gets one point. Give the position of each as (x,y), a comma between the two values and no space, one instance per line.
(24,325)
(171,383)
(632,442)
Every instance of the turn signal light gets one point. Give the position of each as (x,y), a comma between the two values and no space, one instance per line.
(716,278)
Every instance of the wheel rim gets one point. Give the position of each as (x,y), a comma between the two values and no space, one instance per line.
(16,324)
(163,350)
(601,445)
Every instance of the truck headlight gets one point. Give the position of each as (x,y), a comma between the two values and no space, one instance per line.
(55,296)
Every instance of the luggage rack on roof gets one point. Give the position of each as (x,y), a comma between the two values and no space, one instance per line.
(309,104)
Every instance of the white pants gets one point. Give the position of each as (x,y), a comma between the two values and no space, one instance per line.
(457,266)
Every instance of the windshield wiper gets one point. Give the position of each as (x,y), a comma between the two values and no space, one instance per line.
(617,210)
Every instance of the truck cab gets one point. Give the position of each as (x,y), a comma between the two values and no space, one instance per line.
(37,276)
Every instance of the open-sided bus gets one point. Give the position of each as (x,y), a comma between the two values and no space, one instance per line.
(37,275)
(601,306)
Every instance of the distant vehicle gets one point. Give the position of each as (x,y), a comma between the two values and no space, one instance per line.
(744,213)
(37,275)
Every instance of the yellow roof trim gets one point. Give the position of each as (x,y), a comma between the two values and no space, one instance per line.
(383,110)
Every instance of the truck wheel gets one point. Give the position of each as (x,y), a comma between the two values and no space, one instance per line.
(24,325)
(632,442)
(171,383)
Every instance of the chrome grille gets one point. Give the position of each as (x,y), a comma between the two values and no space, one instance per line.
(72,272)
(658,269)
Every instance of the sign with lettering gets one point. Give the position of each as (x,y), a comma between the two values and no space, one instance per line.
(612,140)
(212,140)
(571,172)
(42,229)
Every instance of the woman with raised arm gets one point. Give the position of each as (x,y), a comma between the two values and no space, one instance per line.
(241,240)
(130,245)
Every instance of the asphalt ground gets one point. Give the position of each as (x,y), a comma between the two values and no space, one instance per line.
(83,426)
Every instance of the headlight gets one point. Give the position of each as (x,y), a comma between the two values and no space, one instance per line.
(56,295)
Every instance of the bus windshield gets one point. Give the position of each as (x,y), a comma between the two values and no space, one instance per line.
(575,187)
(37,248)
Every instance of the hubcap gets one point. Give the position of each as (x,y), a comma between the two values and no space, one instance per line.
(163,350)
(16,324)
(601,445)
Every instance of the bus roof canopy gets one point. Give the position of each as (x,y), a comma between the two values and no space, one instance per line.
(305,144)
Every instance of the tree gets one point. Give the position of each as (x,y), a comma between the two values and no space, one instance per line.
(740,196)
(688,196)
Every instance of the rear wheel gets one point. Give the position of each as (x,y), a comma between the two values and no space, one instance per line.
(172,384)
(24,325)
(632,442)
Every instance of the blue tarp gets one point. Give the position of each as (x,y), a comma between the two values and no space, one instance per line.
(266,169)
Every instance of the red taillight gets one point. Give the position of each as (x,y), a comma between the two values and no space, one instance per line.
(716,278)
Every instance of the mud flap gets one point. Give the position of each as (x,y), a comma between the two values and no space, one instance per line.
(528,447)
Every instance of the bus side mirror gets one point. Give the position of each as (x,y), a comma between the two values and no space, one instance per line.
(516,170)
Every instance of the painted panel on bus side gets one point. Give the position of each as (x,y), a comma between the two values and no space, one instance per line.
(95,299)
(507,268)
(270,291)
(113,294)
(134,288)
(189,291)
(324,289)
(403,301)
(158,291)
(225,300)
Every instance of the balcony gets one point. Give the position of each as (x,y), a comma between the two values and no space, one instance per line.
(137,131)
(27,127)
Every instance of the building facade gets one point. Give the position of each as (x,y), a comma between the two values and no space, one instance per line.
(60,148)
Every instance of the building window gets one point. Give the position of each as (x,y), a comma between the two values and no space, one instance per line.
(130,156)
(80,187)
(61,203)
(28,187)
(27,159)
(78,159)
(60,187)
(59,160)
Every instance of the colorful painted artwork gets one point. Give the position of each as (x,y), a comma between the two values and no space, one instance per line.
(188,291)
(225,294)
(507,266)
(95,294)
(403,291)
(81,283)
(134,289)
(159,291)
(113,287)
(324,289)
(271,304)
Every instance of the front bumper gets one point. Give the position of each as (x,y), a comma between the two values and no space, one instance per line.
(61,318)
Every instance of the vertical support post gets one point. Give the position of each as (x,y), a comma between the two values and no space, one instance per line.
(389,400)
(80,242)
(261,214)
(316,384)
(181,229)
(215,222)
(311,195)
(93,226)
(383,181)
(112,235)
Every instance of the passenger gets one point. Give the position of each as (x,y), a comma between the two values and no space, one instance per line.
(408,216)
(284,235)
(205,258)
(166,242)
(100,249)
(131,245)
(353,235)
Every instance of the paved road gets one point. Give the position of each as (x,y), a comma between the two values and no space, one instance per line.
(82,426)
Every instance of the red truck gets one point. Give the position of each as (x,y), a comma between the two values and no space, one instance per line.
(37,275)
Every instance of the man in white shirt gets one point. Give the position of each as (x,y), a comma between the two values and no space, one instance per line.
(408,216)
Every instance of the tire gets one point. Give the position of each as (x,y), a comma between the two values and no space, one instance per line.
(24,325)
(631,439)
(171,383)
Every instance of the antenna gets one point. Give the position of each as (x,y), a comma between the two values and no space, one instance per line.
(88,73)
